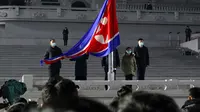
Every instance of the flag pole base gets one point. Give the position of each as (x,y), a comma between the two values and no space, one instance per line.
(111,76)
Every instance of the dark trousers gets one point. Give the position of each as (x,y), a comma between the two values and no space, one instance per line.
(129,77)
(65,39)
(54,72)
(80,77)
(141,73)
(188,38)
(65,42)
(106,75)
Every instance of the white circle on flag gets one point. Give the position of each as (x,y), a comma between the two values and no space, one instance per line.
(104,21)
(100,39)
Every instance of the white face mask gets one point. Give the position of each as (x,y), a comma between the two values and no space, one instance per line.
(128,52)
(53,44)
(141,44)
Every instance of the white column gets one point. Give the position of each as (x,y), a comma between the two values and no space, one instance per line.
(138,14)
(28,80)
(170,39)
(178,39)
(36,2)
(110,67)
(176,15)
(93,4)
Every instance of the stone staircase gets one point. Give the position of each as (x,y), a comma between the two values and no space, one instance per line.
(16,61)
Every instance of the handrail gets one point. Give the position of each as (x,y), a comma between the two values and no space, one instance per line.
(154,3)
(165,7)
(90,9)
(44,7)
(164,83)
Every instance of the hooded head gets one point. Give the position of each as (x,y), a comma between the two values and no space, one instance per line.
(128,51)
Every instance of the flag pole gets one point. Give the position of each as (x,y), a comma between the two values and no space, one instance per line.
(110,67)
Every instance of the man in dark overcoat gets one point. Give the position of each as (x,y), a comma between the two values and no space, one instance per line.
(188,33)
(52,52)
(142,59)
(81,67)
(65,36)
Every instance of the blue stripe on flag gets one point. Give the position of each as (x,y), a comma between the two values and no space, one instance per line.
(84,41)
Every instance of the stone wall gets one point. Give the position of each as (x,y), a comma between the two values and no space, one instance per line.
(39,33)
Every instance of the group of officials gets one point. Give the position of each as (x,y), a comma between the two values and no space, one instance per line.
(133,63)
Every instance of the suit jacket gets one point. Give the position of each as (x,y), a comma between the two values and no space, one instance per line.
(188,31)
(142,56)
(65,32)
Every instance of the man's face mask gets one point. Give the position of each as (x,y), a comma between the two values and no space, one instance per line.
(53,44)
(141,43)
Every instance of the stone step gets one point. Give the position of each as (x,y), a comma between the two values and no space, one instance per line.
(94,70)
(65,74)
(18,60)
(30,61)
(90,59)
(99,66)
(20,52)
(43,49)
(156,66)
(91,71)
(97,62)
(192,58)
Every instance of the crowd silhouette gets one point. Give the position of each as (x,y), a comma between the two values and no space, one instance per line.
(61,95)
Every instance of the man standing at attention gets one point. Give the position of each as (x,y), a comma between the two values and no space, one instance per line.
(52,52)
(81,67)
(142,59)
(188,33)
(65,36)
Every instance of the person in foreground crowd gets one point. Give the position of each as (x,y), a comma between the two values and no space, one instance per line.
(65,36)
(142,101)
(116,64)
(63,96)
(53,51)
(142,59)
(59,94)
(30,106)
(193,102)
(12,90)
(123,91)
(81,67)
(129,64)
(21,100)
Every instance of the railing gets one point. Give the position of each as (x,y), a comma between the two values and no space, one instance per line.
(177,89)
(131,7)
(157,7)
(115,85)
(44,8)
(120,7)
(156,85)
